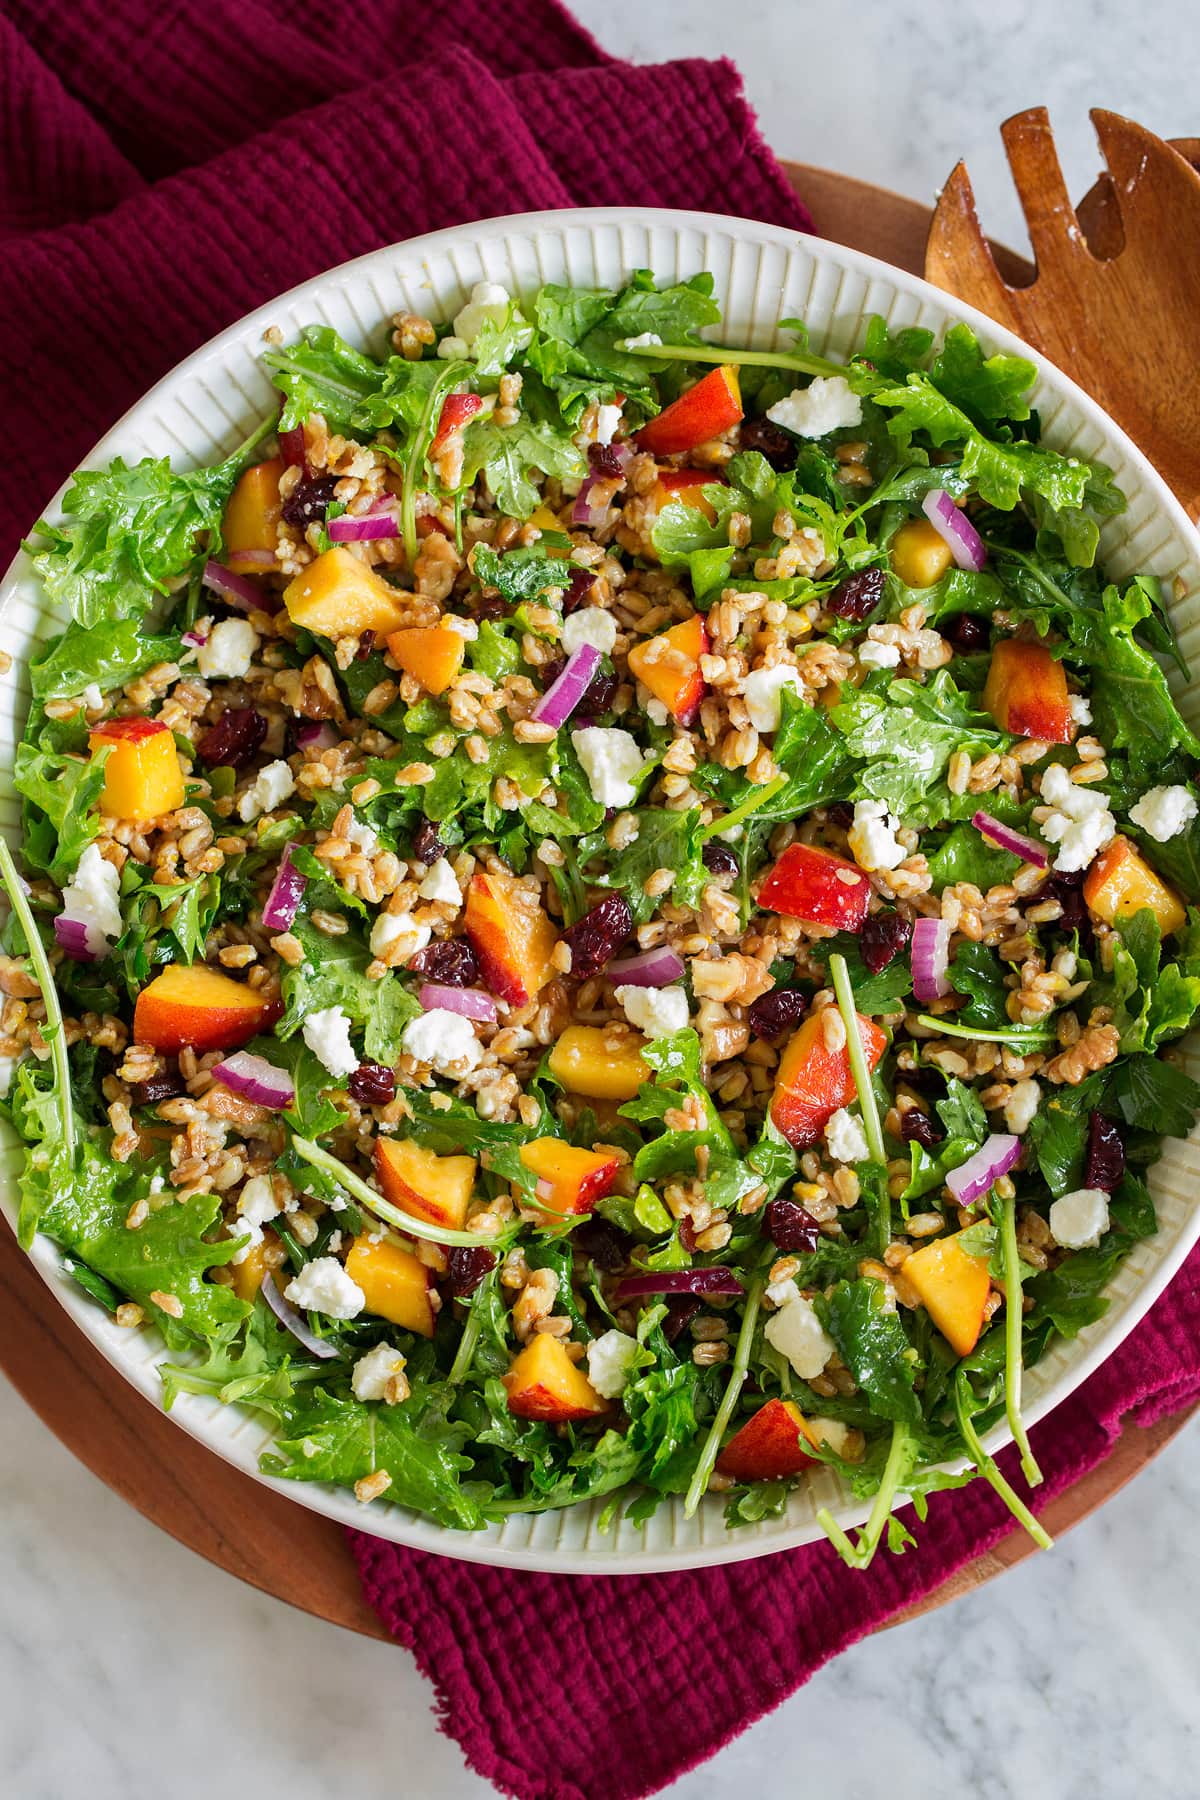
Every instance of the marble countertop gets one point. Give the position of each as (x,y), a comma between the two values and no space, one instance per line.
(128,1664)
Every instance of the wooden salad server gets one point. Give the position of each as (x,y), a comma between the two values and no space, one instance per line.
(1115,294)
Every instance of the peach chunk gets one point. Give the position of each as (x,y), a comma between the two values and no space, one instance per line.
(1026,693)
(953,1287)
(603,1063)
(251,524)
(814,1081)
(431,653)
(669,665)
(770,1446)
(338,596)
(142,776)
(569,1180)
(200,1008)
(426,1186)
(1120,882)
(543,1383)
(511,936)
(394,1282)
(703,412)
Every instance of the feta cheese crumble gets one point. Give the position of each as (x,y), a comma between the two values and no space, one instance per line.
(1079,821)
(363,837)
(1163,812)
(827,404)
(441,884)
(590,625)
(371,1373)
(444,1040)
(762,691)
(797,1333)
(1021,1106)
(872,837)
(656,1011)
(91,696)
(327,1034)
(257,1202)
(488,305)
(645,340)
(611,761)
(401,933)
(878,656)
(610,1360)
(323,1286)
(228,650)
(1078,1221)
(1080,708)
(270,788)
(92,899)
(845,1138)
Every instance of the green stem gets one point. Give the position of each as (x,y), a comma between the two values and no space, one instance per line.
(860,1554)
(858,1062)
(1021,1037)
(740,813)
(453,373)
(729,1399)
(383,1209)
(1013,1325)
(53,1031)
(986,1466)
(801,361)
(464,1356)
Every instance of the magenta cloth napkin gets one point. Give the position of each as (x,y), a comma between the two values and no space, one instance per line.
(168,166)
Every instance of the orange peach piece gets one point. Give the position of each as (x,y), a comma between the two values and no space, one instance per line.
(338,596)
(142,776)
(426,1186)
(669,665)
(511,936)
(248,1274)
(543,1383)
(814,1081)
(1121,882)
(954,1289)
(769,1447)
(394,1283)
(251,524)
(602,1063)
(201,1009)
(920,555)
(704,412)
(570,1180)
(431,653)
(1026,693)
(687,486)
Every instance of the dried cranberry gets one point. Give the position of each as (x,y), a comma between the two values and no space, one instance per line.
(577,590)
(366,645)
(840,813)
(233,740)
(966,630)
(857,596)
(487,606)
(770,440)
(882,938)
(604,461)
(772,1014)
(1068,891)
(158,1087)
(687,1235)
(597,695)
(308,500)
(1104,1164)
(719,859)
(372,1084)
(427,846)
(466,1268)
(448,960)
(790,1227)
(596,938)
(680,1313)
(602,1244)
(916,1127)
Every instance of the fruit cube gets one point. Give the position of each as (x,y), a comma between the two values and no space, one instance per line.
(920,555)
(569,1180)
(511,936)
(433,653)
(394,1282)
(770,1446)
(704,412)
(669,665)
(818,887)
(1121,882)
(251,524)
(814,1081)
(248,1274)
(687,486)
(1026,693)
(338,596)
(543,1383)
(954,1288)
(601,1062)
(200,1008)
(424,1185)
(142,776)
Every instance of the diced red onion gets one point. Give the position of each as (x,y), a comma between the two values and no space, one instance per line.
(716,1280)
(583,512)
(197,639)
(71,936)
(931,959)
(238,590)
(1026,847)
(254,1078)
(563,695)
(347,530)
(295,1322)
(292,447)
(951,523)
(287,890)
(624,455)
(994,1158)
(650,968)
(472,1003)
(315,736)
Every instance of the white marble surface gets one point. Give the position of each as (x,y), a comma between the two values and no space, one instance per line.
(128,1666)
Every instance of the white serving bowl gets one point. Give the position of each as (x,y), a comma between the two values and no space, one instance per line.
(213,399)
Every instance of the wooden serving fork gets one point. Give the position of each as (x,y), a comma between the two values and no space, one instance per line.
(1114,299)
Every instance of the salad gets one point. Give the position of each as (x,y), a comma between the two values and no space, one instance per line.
(600,912)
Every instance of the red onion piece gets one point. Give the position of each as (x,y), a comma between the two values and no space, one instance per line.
(287,890)
(254,1078)
(583,512)
(952,524)
(651,968)
(470,1002)
(1008,839)
(238,590)
(361,530)
(563,695)
(716,1280)
(994,1158)
(314,736)
(931,959)
(295,1322)
(197,639)
(72,938)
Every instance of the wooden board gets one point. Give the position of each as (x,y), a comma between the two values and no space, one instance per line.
(249,1530)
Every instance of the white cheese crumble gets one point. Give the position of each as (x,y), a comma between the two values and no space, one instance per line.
(656,1011)
(873,655)
(361,835)
(1021,1105)
(444,1040)
(1078,1221)
(797,1333)
(400,931)
(91,696)
(1079,821)
(590,625)
(257,1203)
(762,690)
(827,404)
(323,1286)
(228,650)
(372,1372)
(645,340)
(489,304)
(1081,708)
(270,788)
(845,1138)
(608,419)
(92,899)
(1163,812)
(441,884)
(611,761)
(610,1360)
(327,1034)
(872,836)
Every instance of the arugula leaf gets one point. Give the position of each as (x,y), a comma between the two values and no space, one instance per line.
(508,455)
(322,373)
(874,1347)
(1153,1095)
(1131,703)
(61,791)
(884,992)
(519,575)
(989,389)
(253,1368)
(1058,1133)
(978,972)
(110,653)
(961,1112)
(333,973)
(665,840)
(1071,1295)
(905,736)
(965,855)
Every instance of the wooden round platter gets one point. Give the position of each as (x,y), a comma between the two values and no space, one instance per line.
(263,1537)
